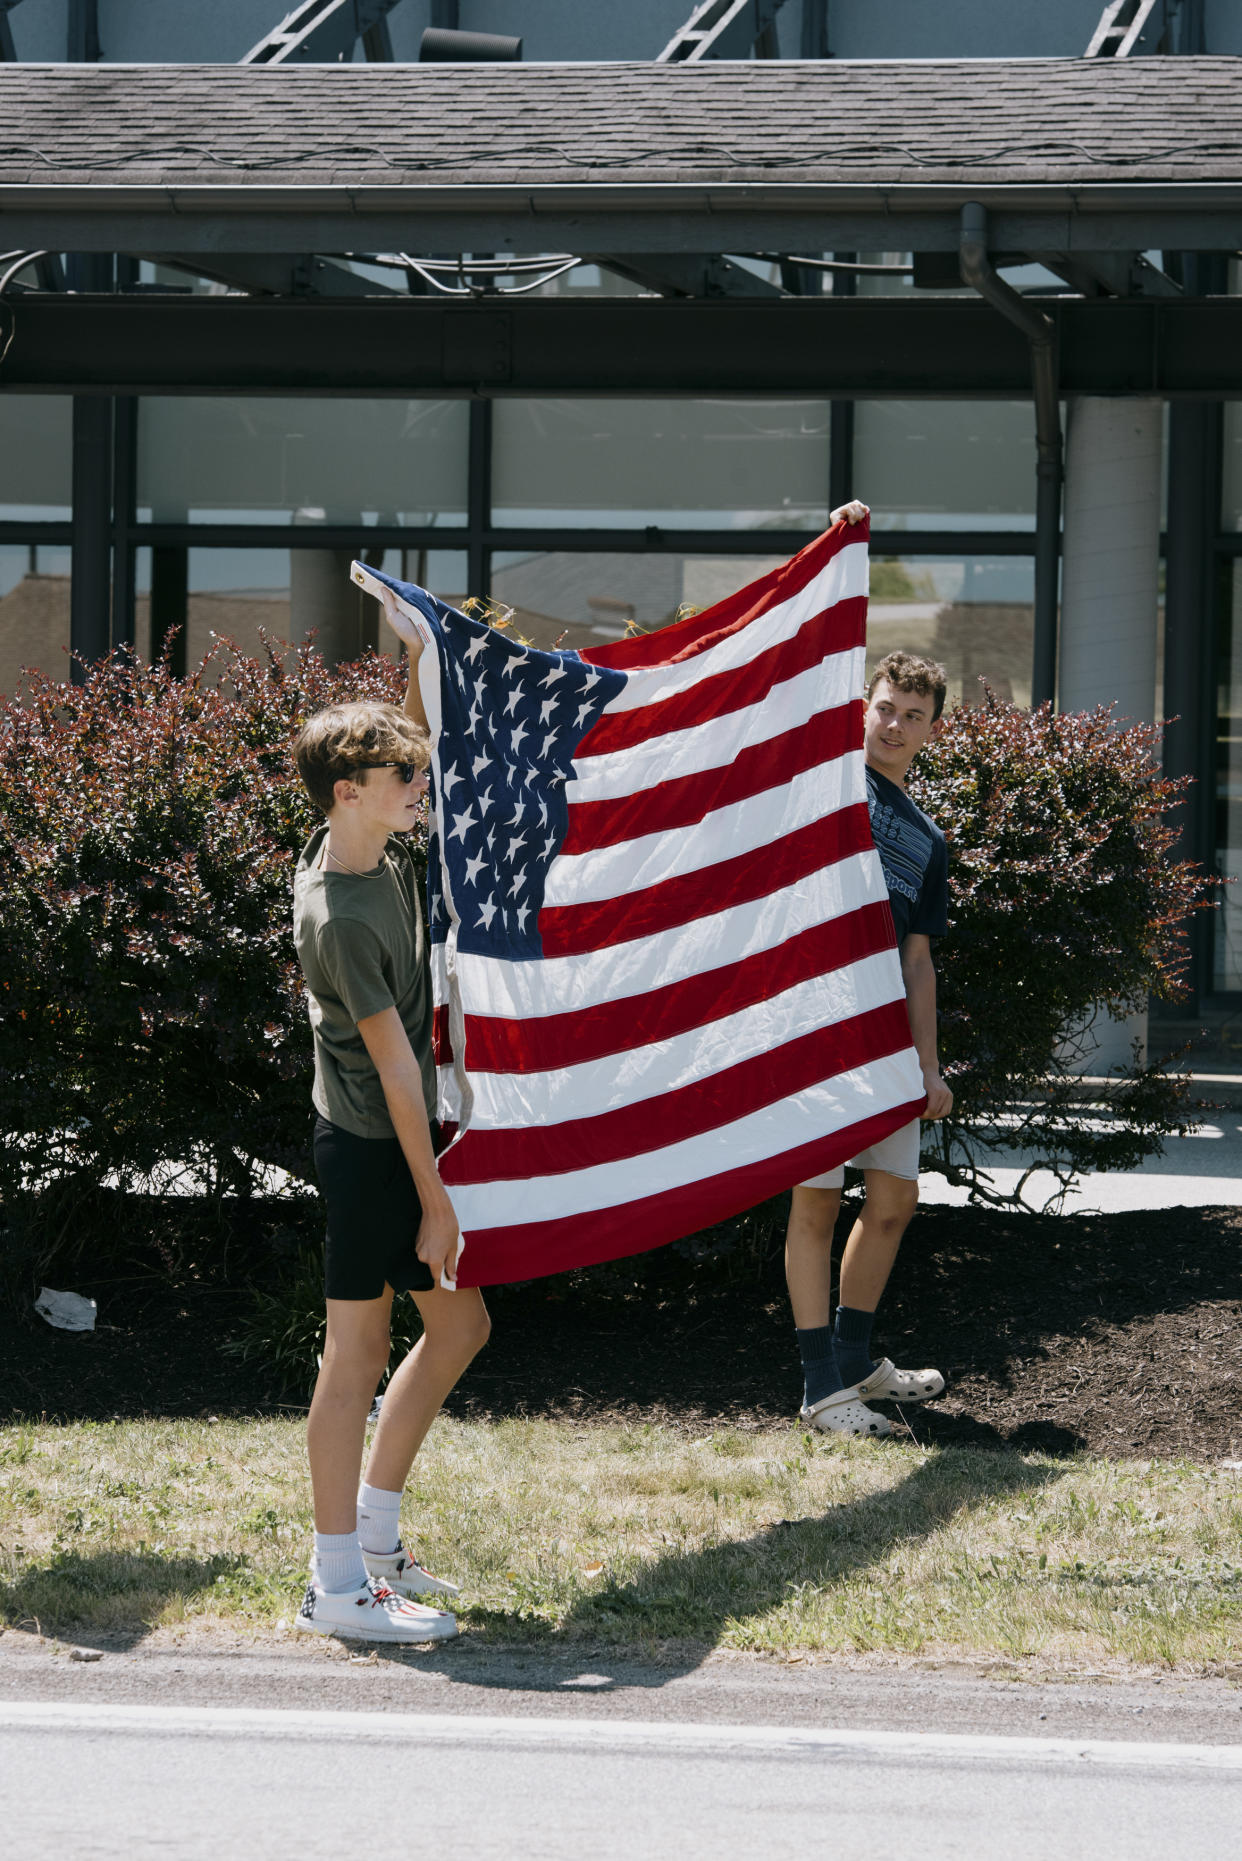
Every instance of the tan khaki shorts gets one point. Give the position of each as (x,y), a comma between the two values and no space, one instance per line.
(897,1155)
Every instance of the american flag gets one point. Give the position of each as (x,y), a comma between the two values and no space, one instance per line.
(664,969)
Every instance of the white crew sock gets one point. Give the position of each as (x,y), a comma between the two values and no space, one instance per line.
(379,1520)
(338,1562)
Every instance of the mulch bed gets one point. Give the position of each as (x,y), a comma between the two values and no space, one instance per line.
(1119,1334)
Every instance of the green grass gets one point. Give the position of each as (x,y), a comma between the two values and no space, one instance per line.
(772,1543)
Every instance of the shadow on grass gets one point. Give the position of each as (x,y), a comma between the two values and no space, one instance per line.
(114,1599)
(677,1608)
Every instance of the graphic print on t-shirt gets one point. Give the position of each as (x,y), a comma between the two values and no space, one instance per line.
(913,859)
(905,850)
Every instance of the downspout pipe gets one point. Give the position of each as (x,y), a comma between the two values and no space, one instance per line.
(1038,328)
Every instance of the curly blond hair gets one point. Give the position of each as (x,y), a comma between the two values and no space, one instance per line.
(346,739)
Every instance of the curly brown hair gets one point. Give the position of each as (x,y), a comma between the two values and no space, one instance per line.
(905,672)
(346,739)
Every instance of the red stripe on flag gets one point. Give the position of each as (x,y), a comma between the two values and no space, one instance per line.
(733,1092)
(835,630)
(441,1044)
(542,1043)
(686,638)
(494,1256)
(572,930)
(686,799)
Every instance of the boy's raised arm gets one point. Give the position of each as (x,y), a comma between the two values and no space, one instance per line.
(409,635)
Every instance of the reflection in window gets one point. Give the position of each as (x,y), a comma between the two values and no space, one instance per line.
(253,596)
(974,614)
(946,465)
(34,611)
(271,460)
(36,458)
(575,602)
(622,464)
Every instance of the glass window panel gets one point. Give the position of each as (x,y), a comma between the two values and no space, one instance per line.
(973,613)
(1228,919)
(623,464)
(576,601)
(259,460)
(34,611)
(36,457)
(247,595)
(946,465)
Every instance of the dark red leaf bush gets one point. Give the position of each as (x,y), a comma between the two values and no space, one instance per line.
(151,1011)
(1065,901)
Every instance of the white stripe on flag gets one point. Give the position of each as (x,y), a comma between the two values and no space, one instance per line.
(812,1113)
(569,984)
(844,578)
(714,746)
(743,827)
(502,1100)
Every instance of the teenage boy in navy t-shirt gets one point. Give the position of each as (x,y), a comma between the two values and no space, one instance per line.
(905,696)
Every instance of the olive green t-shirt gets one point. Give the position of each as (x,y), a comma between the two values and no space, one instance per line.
(360,943)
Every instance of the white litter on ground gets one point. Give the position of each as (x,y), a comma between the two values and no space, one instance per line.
(68,1311)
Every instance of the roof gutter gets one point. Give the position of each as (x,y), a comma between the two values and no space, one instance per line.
(977,270)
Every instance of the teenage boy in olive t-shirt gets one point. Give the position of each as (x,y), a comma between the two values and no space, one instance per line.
(390,1224)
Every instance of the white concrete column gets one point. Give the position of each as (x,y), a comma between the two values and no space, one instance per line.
(1109,593)
(323,599)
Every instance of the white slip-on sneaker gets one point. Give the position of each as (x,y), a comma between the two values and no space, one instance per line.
(398,1570)
(372,1612)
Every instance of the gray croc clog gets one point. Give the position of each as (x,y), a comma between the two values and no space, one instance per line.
(889,1384)
(843,1414)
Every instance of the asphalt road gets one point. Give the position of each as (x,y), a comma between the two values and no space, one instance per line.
(191,1783)
(469,1678)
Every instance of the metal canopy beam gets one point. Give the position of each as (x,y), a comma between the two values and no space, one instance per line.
(693,276)
(8,51)
(1128,26)
(277,274)
(1115,274)
(863,347)
(1203,217)
(321,31)
(724,29)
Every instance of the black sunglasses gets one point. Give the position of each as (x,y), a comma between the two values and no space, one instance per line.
(408,769)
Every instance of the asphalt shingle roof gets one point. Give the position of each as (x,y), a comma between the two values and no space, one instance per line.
(985,122)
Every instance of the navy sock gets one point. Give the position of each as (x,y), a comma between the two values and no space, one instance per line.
(851,1338)
(819,1364)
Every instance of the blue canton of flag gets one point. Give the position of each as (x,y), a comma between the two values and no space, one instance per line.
(511,719)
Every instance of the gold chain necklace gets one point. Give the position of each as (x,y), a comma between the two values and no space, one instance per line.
(351,870)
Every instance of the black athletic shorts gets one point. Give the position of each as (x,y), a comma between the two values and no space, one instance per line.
(373,1215)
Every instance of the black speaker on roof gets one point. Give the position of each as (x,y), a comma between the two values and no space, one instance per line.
(440,46)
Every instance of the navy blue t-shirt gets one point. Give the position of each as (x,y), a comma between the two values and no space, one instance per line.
(915,859)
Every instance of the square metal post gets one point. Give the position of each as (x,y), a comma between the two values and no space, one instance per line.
(479,517)
(125,476)
(1190,610)
(90,598)
(170,604)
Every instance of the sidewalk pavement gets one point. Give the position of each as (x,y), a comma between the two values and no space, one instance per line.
(1203,1170)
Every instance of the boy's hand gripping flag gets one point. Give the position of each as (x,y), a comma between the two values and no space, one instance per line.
(664,968)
